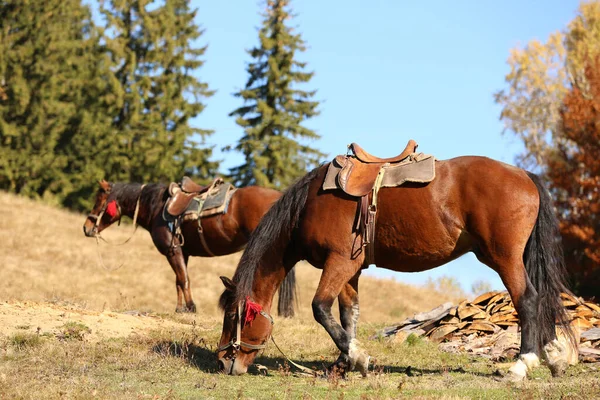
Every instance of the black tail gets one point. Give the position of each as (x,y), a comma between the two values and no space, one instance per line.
(272,236)
(287,294)
(546,269)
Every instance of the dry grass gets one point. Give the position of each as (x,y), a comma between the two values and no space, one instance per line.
(46,257)
(60,339)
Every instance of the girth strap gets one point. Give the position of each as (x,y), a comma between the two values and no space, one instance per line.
(201,230)
(368,214)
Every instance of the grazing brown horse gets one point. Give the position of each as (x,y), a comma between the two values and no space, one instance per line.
(499,212)
(223,233)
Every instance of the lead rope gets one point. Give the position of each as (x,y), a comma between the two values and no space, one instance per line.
(302,368)
(98,236)
(238,343)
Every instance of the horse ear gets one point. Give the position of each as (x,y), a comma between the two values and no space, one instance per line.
(104,185)
(229,285)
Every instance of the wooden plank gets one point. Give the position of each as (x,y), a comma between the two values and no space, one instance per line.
(483,326)
(438,334)
(449,319)
(481,315)
(566,296)
(497,308)
(591,334)
(508,308)
(484,298)
(583,312)
(589,351)
(467,311)
(592,306)
(506,323)
(503,317)
(582,324)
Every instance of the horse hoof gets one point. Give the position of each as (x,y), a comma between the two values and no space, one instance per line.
(556,354)
(359,358)
(558,368)
(186,309)
(511,377)
(339,367)
(516,373)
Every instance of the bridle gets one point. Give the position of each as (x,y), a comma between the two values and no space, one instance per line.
(97,218)
(237,342)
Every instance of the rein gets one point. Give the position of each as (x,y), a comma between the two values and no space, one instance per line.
(135,216)
(98,217)
(236,343)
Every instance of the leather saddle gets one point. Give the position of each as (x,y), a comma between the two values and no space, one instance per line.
(358,174)
(184,192)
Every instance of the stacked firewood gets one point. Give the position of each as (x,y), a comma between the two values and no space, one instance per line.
(488,326)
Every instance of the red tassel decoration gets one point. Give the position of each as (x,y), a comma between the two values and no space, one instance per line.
(111,209)
(252,310)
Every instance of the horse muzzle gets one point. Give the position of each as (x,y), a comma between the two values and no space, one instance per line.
(231,367)
(90,231)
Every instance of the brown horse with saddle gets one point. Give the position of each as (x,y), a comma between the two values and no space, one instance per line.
(408,213)
(186,219)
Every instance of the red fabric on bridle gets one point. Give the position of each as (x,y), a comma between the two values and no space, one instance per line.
(111,209)
(252,310)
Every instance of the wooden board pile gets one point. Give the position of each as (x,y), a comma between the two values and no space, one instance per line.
(488,326)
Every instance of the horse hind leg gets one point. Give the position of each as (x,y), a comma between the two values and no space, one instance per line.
(525,299)
(178,262)
(337,272)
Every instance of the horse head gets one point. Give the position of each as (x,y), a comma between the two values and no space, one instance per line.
(246,330)
(105,212)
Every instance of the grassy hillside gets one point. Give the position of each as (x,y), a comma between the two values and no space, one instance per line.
(71,329)
(46,257)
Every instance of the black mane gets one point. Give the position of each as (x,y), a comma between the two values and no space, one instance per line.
(152,198)
(270,237)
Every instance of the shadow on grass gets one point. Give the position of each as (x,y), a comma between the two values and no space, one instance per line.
(198,356)
(278,363)
(205,359)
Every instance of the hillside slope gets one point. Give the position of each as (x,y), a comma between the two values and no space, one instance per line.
(45,257)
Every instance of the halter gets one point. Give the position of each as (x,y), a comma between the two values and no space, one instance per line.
(236,342)
(98,217)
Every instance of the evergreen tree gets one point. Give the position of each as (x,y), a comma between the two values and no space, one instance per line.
(154,62)
(274,108)
(46,50)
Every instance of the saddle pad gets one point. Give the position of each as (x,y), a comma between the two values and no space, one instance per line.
(215,202)
(419,168)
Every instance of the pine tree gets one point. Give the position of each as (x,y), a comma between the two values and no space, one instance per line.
(274,108)
(45,49)
(154,63)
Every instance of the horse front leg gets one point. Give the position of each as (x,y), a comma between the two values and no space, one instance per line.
(337,273)
(349,312)
(170,247)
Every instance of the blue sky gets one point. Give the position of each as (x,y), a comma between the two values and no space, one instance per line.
(388,71)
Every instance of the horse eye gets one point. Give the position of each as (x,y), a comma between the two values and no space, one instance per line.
(231,315)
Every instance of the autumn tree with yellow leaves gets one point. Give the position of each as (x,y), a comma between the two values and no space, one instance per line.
(552,103)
